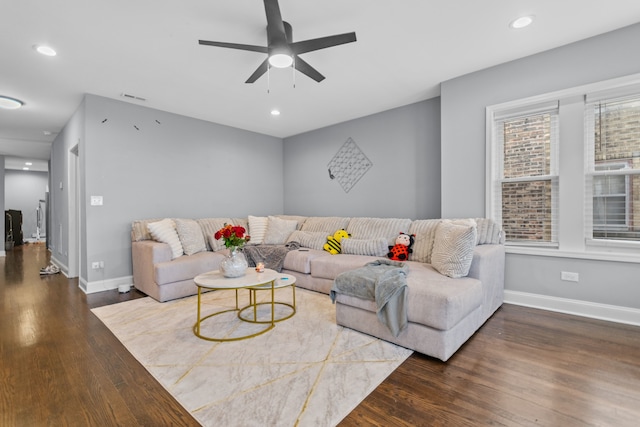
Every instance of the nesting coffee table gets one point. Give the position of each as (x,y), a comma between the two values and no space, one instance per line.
(268,280)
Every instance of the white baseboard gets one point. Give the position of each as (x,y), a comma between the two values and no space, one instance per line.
(104,285)
(612,313)
(3,253)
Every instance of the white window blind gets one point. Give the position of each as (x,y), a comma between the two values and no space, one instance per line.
(525,174)
(612,165)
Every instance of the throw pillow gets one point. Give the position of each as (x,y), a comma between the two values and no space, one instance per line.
(278,230)
(326,224)
(190,235)
(425,231)
(209,227)
(489,232)
(257,229)
(309,239)
(140,231)
(371,247)
(453,248)
(165,231)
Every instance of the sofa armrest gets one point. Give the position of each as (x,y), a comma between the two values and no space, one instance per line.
(144,255)
(488,267)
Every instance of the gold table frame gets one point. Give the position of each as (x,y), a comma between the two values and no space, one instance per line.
(214,280)
(281,282)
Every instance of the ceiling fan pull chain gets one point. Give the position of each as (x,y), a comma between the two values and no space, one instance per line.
(268,78)
(293,67)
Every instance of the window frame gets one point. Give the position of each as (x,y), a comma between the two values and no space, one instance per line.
(580,246)
(499,118)
(626,195)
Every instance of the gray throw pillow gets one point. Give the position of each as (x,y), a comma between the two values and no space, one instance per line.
(190,235)
(453,248)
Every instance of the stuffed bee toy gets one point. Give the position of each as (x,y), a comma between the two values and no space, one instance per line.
(401,250)
(333,245)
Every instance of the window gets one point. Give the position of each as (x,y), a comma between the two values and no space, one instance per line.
(526,177)
(563,171)
(612,127)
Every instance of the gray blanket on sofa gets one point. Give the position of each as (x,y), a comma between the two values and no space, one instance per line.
(383,281)
(271,255)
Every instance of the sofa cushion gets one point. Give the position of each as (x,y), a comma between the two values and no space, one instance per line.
(433,300)
(165,231)
(329,267)
(309,239)
(186,267)
(453,247)
(373,228)
(425,233)
(140,229)
(209,226)
(373,247)
(279,230)
(300,260)
(489,232)
(299,219)
(191,236)
(257,229)
(326,224)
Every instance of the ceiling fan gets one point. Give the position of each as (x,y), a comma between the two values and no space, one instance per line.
(282,51)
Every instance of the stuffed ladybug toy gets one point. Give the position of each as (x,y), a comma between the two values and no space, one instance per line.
(401,250)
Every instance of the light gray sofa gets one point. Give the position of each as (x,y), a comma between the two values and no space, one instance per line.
(443,312)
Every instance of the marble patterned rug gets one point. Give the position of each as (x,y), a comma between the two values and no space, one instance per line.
(307,371)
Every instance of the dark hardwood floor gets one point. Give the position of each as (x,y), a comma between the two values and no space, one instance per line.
(60,366)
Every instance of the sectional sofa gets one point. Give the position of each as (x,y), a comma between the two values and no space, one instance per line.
(455,279)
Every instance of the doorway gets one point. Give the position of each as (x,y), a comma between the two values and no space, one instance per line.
(74,227)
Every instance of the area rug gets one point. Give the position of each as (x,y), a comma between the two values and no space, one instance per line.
(307,371)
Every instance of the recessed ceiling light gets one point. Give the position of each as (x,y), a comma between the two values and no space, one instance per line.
(275,112)
(45,50)
(523,21)
(25,169)
(28,163)
(10,103)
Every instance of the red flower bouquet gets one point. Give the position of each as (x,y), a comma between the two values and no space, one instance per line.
(233,235)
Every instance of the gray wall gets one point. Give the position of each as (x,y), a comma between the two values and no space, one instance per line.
(69,136)
(147,163)
(23,190)
(404,146)
(464,100)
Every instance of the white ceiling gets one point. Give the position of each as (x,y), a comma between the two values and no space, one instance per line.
(149,49)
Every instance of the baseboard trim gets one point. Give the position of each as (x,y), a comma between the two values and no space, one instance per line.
(612,313)
(104,285)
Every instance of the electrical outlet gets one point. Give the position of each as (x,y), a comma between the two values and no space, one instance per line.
(569,276)
(95,265)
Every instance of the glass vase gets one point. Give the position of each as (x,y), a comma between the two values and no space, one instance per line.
(234,264)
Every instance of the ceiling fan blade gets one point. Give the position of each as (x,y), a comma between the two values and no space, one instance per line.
(258,72)
(249,47)
(322,43)
(306,69)
(276,35)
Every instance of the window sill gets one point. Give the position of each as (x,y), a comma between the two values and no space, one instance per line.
(554,252)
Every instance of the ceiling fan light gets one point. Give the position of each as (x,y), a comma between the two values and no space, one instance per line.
(10,103)
(280,60)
